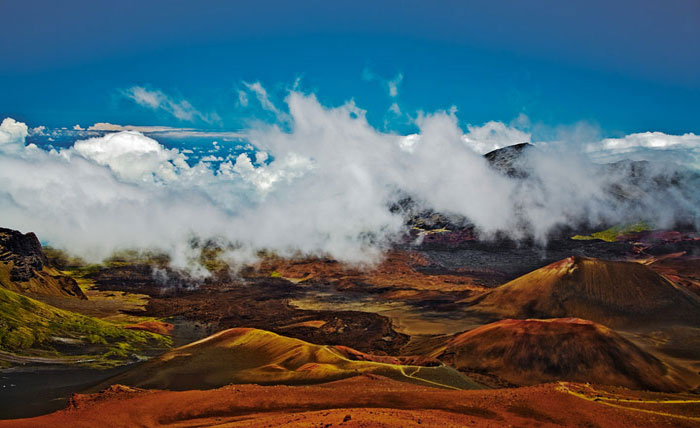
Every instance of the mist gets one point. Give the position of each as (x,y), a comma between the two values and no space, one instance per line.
(322,181)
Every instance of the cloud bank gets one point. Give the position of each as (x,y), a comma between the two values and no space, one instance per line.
(323,184)
(682,149)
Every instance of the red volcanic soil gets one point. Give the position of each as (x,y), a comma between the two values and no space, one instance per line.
(527,352)
(682,270)
(372,401)
(158,327)
(356,355)
(398,269)
(653,241)
(252,356)
(609,292)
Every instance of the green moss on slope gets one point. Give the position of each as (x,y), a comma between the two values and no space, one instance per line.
(29,328)
(612,234)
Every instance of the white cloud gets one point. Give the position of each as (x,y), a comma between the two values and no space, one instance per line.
(263,98)
(12,134)
(260,157)
(166,131)
(264,179)
(39,130)
(106,126)
(393,85)
(482,139)
(683,149)
(132,156)
(157,100)
(493,135)
(322,188)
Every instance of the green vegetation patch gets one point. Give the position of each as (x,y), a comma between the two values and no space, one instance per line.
(614,233)
(31,328)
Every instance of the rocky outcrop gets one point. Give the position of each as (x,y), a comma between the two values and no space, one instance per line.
(508,159)
(24,267)
(24,252)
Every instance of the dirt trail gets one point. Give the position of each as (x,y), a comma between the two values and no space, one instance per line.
(588,393)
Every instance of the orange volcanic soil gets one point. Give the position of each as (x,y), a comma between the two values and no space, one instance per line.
(397,270)
(372,401)
(684,271)
(609,292)
(158,327)
(355,355)
(528,352)
(247,355)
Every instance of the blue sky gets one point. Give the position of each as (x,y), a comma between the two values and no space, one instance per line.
(622,66)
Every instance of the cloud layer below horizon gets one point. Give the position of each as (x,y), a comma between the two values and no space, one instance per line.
(322,184)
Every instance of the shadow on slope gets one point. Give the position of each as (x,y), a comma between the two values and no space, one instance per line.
(533,351)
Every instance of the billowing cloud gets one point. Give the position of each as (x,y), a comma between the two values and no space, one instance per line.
(132,156)
(481,139)
(12,134)
(322,185)
(493,135)
(157,100)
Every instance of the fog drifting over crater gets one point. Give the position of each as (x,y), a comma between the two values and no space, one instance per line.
(321,182)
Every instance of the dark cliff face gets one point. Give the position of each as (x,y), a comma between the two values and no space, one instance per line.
(506,159)
(24,250)
(28,260)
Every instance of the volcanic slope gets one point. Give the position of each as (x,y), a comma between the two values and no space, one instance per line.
(373,401)
(613,293)
(528,352)
(32,332)
(246,355)
(24,268)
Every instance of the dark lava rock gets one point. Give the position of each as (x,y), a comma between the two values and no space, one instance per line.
(24,251)
(28,260)
(506,159)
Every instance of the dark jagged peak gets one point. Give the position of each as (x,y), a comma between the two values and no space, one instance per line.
(24,267)
(23,251)
(506,159)
(419,217)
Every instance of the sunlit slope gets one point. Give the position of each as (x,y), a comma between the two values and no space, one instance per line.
(47,281)
(609,292)
(244,355)
(528,352)
(24,267)
(34,332)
